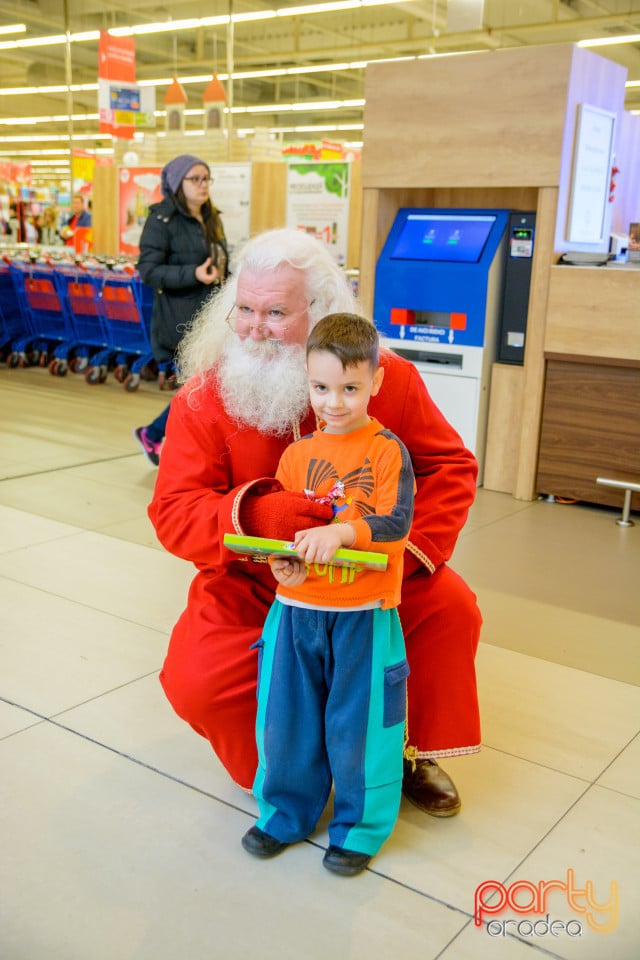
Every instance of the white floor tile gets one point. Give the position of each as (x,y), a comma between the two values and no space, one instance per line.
(56,653)
(69,497)
(563,718)
(137,719)
(545,554)
(133,582)
(598,840)
(13,719)
(624,773)
(604,646)
(146,869)
(21,529)
(473,943)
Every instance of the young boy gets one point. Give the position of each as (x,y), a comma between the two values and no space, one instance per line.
(332,664)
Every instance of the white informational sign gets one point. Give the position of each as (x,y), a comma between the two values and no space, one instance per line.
(591,177)
(231,194)
(318,202)
(122,104)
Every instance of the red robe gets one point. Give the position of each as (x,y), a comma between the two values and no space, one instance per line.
(208,463)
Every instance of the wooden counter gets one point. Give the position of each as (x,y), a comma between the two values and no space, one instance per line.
(594,312)
(591,410)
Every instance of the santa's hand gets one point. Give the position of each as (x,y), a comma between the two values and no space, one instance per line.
(280,514)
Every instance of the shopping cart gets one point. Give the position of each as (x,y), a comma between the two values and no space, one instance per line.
(14,332)
(129,350)
(109,333)
(47,323)
(80,292)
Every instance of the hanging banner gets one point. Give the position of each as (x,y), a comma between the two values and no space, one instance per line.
(318,202)
(231,193)
(122,105)
(82,166)
(138,188)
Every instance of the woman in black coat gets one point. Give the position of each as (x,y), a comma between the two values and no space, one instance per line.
(183,256)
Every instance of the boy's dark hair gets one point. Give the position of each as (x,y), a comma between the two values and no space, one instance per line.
(349,337)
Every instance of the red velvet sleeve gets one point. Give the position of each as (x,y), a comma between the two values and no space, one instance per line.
(445,470)
(206,467)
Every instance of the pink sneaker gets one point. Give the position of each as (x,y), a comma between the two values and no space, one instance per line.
(150,448)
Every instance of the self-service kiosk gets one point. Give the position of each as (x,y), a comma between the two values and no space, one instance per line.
(438,296)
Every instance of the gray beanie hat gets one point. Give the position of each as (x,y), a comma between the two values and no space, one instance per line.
(174,172)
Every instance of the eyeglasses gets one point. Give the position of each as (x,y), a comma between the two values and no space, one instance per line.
(201,181)
(239,320)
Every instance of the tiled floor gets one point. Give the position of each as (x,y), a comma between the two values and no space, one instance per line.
(120,831)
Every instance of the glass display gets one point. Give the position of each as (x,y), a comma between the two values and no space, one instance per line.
(450,238)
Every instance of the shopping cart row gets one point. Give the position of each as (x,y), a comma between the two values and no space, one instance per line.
(90,319)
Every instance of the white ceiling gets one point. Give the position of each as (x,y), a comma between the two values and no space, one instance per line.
(412,28)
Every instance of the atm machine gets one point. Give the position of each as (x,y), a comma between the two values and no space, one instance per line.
(438,299)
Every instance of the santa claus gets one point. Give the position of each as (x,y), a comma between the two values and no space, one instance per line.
(244,398)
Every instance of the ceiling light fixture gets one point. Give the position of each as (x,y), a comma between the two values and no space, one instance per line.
(57,137)
(196,23)
(239,76)
(13,28)
(610,41)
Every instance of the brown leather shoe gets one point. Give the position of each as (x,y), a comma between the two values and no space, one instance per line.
(429,788)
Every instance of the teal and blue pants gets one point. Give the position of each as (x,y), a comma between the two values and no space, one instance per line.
(331,707)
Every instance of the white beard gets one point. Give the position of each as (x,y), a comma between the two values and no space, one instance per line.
(263,385)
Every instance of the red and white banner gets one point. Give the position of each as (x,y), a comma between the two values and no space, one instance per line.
(122,105)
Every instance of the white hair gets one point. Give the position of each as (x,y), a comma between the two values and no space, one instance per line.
(326,287)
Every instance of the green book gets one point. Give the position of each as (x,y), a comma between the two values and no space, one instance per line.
(282,548)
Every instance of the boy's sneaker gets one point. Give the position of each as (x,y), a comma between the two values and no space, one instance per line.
(150,448)
(261,844)
(348,863)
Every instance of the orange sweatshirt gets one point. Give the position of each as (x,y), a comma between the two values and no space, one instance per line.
(369,478)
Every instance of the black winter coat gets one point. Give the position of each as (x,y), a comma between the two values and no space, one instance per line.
(172,245)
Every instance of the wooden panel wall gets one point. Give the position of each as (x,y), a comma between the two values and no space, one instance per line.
(594,312)
(484,120)
(355,217)
(104,211)
(590,428)
(503,428)
(533,385)
(268,196)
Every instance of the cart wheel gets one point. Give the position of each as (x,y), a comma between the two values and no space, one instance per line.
(148,373)
(62,368)
(162,379)
(120,372)
(34,358)
(92,375)
(53,367)
(103,374)
(78,364)
(13,360)
(132,382)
